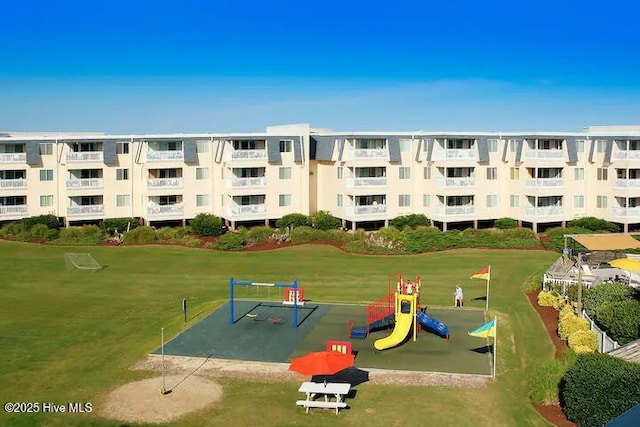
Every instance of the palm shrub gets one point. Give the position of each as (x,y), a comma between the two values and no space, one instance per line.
(543,380)
(38,232)
(620,319)
(306,234)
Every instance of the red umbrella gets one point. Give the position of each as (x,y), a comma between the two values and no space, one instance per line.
(321,363)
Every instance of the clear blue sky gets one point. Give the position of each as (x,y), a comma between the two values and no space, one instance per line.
(218,65)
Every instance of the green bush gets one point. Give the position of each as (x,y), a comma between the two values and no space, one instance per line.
(594,224)
(556,238)
(140,235)
(194,243)
(51,221)
(166,233)
(583,342)
(605,293)
(411,220)
(87,235)
(260,234)
(230,242)
(390,235)
(323,220)
(620,319)
(544,379)
(38,232)
(110,225)
(306,234)
(206,225)
(504,223)
(598,388)
(337,236)
(359,234)
(52,234)
(364,247)
(293,220)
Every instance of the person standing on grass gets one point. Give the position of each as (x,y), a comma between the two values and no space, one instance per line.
(459,301)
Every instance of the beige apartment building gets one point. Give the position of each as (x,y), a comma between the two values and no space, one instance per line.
(366,179)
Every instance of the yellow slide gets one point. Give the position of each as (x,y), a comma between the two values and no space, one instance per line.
(404,321)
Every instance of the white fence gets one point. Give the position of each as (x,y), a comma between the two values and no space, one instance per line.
(605,344)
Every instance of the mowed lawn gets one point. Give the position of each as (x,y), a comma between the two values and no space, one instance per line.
(71,337)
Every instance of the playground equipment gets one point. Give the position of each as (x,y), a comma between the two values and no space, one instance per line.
(292,286)
(344,347)
(293,296)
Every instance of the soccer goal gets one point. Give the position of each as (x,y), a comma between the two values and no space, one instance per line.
(81,262)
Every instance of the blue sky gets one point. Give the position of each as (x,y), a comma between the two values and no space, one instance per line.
(197,66)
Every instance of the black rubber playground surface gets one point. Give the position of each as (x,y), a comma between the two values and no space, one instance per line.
(264,331)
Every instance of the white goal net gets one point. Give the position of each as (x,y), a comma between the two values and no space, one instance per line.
(81,262)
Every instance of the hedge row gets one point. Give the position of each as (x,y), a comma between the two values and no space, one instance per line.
(571,328)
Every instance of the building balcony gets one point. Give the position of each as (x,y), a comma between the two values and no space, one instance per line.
(165,210)
(543,154)
(626,155)
(367,210)
(366,182)
(9,184)
(247,210)
(545,183)
(255,182)
(368,154)
(627,183)
(78,184)
(544,211)
(457,182)
(456,210)
(163,183)
(86,210)
(249,155)
(11,212)
(13,157)
(85,157)
(627,212)
(169,155)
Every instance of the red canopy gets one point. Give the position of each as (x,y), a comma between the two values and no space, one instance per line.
(322,363)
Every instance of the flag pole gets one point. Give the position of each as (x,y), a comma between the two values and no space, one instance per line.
(495,340)
(488,280)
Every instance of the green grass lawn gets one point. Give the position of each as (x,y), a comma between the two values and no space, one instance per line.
(73,336)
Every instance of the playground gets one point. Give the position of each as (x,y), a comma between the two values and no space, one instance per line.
(261,329)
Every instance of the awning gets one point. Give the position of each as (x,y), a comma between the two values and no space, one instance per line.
(607,242)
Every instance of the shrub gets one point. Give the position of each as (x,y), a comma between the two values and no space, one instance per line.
(206,225)
(52,234)
(293,220)
(547,299)
(182,232)
(38,232)
(598,388)
(595,224)
(323,220)
(566,311)
(139,235)
(306,234)
(544,380)
(230,242)
(359,234)
(365,247)
(85,235)
(411,220)
(51,221)
(605,293)
(504,223)
(194,243)
(570,325)
(556,237)
(390,235)
(260,234)
(166,233)
(583,342)
(337,236)
(620,319)
(121,224)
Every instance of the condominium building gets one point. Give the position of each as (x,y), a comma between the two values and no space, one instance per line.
(366,179)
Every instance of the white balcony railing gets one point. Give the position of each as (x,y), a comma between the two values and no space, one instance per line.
(85,156)
(457,182)
(364,210)
(368,153)
(545,183)
(155,156)
(456,210)
(87,210)
(627,212)
(461,153)
(626,155)
(6,184)
(13,157)
(255,182)
(627,183)
(85,183)
(367,182)
(543,154)
(249,154)
(165,210)
(6,211)
(247,210)
(165,183)
(544,211)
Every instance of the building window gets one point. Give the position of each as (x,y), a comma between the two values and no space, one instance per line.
(340,171)
(123,200)
(603,174)
(202,147)
(426,200)
(427,172)
(512,145)
(122,148)
(284,200)
(286,146)
(578,174)
(580,145)
(202,173)
(600,144)
(405,145)
(578,201)
(601,202)
(202,200)
(285,173)
(122,174)
(492,174)
(339,201)
(46,201)
(46,174)
(404,200)
(404,172)
(492,144)
(515,174)
(46,149)
(492,200)
(515,201)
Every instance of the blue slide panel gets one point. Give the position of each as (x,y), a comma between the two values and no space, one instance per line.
(360,332)
(433,324)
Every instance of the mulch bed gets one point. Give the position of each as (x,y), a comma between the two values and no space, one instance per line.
(549,316)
